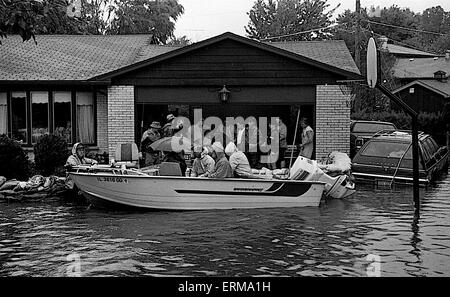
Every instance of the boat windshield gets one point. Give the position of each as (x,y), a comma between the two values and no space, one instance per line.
(386,149)
(371,127)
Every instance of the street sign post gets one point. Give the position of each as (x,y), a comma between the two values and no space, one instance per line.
(372,81)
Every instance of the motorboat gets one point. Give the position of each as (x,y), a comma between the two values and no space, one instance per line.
(134,188)
(338,186)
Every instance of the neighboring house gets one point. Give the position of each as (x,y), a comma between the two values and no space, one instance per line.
(421,77)
(425,82)
(104,90)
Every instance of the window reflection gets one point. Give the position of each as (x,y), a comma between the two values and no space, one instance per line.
(39,115)
(85,117)
(62,115)
(3,114)
(19,116)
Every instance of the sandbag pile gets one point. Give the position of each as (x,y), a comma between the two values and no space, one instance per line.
(36,188)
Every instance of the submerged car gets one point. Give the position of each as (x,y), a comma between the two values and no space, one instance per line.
(387,157)
(361,131)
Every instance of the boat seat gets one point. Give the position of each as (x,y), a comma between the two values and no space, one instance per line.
(169,169)
(127,154)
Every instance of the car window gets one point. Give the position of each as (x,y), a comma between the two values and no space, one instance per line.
(371,127)
(434,145)
(386,149)
(427,149)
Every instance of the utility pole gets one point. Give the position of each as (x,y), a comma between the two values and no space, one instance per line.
(358,34)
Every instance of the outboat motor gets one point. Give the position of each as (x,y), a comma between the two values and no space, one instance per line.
(308,170)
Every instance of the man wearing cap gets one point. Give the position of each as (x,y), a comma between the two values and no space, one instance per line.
(222,168)
(150,136)
(170,128)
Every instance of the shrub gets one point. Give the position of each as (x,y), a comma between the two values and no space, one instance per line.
(50,154)
(430,123)
(13,159)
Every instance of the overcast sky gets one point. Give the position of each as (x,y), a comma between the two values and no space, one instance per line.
(206,18)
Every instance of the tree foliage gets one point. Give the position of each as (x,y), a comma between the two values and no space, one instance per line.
(50,152)
(183,40)
(13,159)
(272,18)
(142,16)
(30,17)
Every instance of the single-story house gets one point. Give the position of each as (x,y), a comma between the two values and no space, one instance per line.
(105,90)
(425,82)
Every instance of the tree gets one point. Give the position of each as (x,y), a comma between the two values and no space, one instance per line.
(143,16)
(183,40)
(30,17)
(398,17)
(436,20)
(274,18)
(21,16)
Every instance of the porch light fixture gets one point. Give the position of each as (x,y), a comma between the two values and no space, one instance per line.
(224,94)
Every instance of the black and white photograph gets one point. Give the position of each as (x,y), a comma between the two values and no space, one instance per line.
(224,144)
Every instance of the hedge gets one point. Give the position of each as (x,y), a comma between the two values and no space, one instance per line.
(431,123)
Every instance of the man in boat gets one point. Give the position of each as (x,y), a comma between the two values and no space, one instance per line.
(152,134)
(203,162)
(222,168)
(170,128)
(78,156)
(307,145)
(238,161)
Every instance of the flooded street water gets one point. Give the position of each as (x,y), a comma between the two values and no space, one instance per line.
(334,239)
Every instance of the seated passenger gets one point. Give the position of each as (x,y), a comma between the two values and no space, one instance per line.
(203,163)
(222,168)
(238,161)
(177,158)
(77,158)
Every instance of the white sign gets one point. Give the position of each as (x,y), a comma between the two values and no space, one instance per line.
(372,69)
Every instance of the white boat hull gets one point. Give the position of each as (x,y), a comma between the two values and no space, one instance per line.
(187,193)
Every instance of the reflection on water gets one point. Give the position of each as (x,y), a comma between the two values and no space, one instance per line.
(334,239)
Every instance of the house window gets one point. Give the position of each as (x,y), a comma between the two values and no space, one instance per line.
(411,90)
(39,115)
(3,114)
(62,118)
(19,116)
(85,117)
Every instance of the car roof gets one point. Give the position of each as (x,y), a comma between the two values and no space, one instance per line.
(403,135)
(374,122)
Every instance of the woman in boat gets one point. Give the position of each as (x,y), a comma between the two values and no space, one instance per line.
(222,168)
(238,161)
(78,156)
(203,163)
(307,145)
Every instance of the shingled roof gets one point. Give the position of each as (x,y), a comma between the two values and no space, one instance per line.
(81,57)
(331,52)
(416,68)
(72,57)
(440,87)
(401,51)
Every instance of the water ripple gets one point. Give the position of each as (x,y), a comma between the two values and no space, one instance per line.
(332,240)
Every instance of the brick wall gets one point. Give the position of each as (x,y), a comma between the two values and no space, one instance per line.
(102,122)
(332,120)
(120,116)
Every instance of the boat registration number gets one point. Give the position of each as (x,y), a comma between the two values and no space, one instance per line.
(112,179)
(383,183)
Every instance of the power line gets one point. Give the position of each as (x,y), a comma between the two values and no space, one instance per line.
(408,29)
(298,33)
(408,45)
